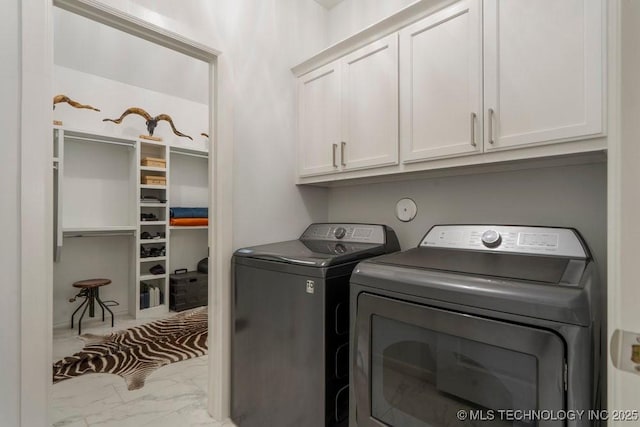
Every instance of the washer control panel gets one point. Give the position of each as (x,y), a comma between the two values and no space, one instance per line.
(361,233)
(562,242)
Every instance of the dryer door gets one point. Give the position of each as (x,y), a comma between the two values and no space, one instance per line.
(420,366)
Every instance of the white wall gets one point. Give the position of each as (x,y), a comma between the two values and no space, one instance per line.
(119,56)
(265,39)
(261,41)
(352,16)
(10,82)
(571,196)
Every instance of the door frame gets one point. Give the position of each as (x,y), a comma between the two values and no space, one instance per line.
(36,196)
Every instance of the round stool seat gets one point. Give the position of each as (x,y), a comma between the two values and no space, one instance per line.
(91,283)
(90,290)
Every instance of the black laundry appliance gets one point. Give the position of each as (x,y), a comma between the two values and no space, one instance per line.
(499,322)
(290,338)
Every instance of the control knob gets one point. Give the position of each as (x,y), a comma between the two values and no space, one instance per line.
(340,232)
(340,248)
(491,239)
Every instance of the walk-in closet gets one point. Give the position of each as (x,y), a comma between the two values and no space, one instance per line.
(119,184)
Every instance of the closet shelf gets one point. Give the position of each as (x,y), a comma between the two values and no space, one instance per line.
(153,187)
(187,227)
(100,228)
(153,259)
(82,136)
(153,276)
(189,152)
(150,142)
(153,223)
(152,169)
(151,241)
(153,205)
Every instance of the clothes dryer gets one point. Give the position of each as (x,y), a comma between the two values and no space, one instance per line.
(479,325)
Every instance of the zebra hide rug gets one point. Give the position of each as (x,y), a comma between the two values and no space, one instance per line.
(136,352)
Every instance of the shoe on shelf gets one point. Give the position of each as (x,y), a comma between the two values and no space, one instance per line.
(157,269)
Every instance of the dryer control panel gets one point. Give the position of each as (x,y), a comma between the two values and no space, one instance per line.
(360,233)
(562,242)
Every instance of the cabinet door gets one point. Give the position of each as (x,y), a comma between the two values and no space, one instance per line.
(319,120)
(441,84)
(370,105)
(543,71)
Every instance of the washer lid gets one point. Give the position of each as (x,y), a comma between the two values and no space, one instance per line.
(565,304)
(312,253)
(503,265)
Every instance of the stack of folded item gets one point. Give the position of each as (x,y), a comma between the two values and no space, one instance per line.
(189,217)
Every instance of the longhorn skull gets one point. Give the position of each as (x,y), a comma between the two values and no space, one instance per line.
(151,122)
(64,98)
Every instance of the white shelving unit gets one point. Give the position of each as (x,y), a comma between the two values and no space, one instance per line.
(94,218)
(189,188)
(97,213)
(144,304)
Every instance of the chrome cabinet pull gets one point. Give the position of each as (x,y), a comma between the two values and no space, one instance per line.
(473,129)
(491,141)
(335,147)
(342,146)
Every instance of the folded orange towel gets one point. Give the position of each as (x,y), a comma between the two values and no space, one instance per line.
(189,222)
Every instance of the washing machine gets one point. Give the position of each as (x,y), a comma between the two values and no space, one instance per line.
(290,338)
(478,325)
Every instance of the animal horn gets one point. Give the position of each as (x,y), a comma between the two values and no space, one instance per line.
(176,131)
(132,110)
(64,98)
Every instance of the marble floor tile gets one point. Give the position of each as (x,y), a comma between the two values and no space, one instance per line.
(173,396)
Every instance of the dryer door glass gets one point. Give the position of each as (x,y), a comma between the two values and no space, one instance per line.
(419,366)
(412,365)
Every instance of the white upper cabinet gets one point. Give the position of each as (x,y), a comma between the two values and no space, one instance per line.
(348,111)
(441,84)
(319,120)
(543,75)
(450,84)
(370,105)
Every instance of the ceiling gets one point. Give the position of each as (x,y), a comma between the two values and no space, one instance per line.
(328,4)
(93,48)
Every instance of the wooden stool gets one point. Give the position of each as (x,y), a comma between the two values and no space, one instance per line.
(90,290)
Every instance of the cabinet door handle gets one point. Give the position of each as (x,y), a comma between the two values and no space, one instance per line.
(473,129)
(491,141)
(342,146)
(335,147)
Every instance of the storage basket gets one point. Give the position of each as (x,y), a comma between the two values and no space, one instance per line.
(154,180)
(154,162)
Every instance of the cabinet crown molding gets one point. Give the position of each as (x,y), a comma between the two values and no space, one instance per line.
(384,27)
